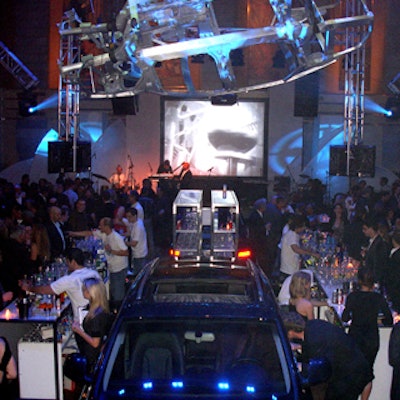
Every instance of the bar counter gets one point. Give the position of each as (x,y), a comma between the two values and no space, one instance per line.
(38,342)
(38,312)
(332,278)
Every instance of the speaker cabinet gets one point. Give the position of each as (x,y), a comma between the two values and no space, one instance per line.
(306,93)
(125,105)
(337,161)
(365,160)
(60,157)
(361,161)
(56,161)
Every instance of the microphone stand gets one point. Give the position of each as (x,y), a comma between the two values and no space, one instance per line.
(130,174)
(179,166)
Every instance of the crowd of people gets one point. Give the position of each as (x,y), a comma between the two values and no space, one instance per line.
(364,225)
(41,221)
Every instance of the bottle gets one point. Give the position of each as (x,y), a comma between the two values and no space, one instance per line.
(335,296)
(340,297)
(224,189)
(215,221)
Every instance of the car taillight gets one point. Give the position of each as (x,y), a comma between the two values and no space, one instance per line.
(243,254)
(174,253)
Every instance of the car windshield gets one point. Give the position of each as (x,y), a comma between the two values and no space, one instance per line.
(196,358)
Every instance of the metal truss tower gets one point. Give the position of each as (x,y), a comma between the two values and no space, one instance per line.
(69,88)
(17,69)
(354,66)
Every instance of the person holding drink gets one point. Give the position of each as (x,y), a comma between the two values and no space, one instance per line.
(71,283)
(92,332)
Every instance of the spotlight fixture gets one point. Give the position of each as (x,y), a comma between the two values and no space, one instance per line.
(27,103)
(392,107)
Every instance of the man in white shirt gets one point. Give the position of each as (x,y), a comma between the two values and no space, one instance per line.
(116,255)
(133,200)
(117,259)
(290,247)
(137,240)
(118,178)
(71,283)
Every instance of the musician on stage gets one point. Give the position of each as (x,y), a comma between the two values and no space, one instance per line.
(185,176)
(118,178)
(165,168)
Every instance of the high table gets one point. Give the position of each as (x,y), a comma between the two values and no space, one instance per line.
(39,341)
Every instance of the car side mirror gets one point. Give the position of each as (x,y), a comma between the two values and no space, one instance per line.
(317,371)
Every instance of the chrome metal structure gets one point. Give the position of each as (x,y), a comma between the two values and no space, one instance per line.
(149,32)
(354,64)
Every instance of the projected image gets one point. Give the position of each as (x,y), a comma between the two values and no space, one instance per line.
(216,140)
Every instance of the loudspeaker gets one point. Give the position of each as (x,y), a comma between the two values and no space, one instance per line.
(125,105)
(84,156)
(306,93)
(337,160)
(60,157)
(56,158)
(361,161)
(365,160)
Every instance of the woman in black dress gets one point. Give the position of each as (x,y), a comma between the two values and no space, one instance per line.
(96,324)
(362,308)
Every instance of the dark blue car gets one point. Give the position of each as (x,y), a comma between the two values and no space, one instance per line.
(197,330)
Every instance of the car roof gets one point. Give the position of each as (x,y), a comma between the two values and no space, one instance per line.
(167,288)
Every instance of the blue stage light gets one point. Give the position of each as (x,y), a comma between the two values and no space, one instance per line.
(392,107)
(27,102)
(250,389)
(147,385)
(223,386)
(177,384)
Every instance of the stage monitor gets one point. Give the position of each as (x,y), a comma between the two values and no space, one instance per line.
(60,157)
(361,161)
(217,140)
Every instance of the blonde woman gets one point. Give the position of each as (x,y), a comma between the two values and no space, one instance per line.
(97,322)
(300,295)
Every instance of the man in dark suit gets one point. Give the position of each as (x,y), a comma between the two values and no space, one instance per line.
(185,176)
(16,263)
(377,254)
(351,373)
(393,272)
(56,234)
(276,219)
(257,235)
